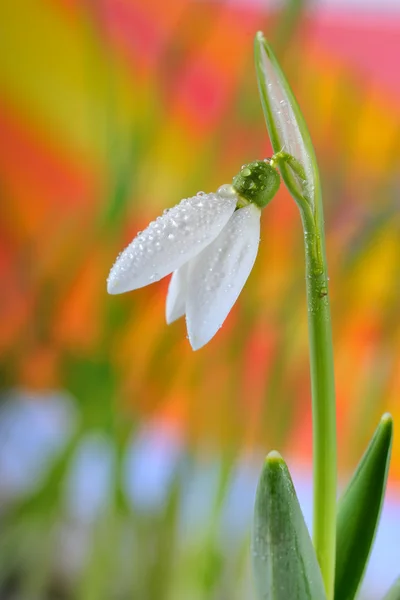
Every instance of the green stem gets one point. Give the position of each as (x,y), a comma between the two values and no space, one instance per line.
(322,374)
(323,403)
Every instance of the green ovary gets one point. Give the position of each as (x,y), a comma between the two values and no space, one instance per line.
(257,182)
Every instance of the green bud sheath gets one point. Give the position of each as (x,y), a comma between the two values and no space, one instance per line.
(257,182)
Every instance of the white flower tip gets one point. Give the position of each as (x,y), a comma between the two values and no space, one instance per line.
(171,316)
(196,343)
(197,340)
(111,287)
(200,336)
(114,284)
(176,298)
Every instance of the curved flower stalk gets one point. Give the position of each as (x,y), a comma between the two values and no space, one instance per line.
(298,166)
(209,242)
(342,536)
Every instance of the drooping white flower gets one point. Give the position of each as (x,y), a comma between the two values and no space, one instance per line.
(209,242)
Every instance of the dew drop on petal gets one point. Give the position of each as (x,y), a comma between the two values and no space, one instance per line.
(226,190)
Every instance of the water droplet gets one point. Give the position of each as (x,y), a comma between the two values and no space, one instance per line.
(226,190)
(171,236)
(246,172)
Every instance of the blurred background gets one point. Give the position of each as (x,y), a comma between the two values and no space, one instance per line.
(128,463)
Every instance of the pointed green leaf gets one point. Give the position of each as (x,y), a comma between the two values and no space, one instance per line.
(394,592)
(286,125)
(284,561)
(359,511)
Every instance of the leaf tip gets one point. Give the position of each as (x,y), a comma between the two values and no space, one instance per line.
(261,41)
(387,419)
(386,426)
(274,457)
(260,36)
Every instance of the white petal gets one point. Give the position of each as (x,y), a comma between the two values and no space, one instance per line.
(176,297)
(217,276)
(171,240)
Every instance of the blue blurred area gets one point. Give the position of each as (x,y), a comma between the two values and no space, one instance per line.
(35,428)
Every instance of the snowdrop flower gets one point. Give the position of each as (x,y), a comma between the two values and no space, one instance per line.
(209,242)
